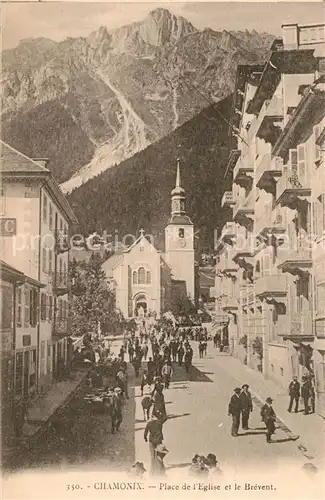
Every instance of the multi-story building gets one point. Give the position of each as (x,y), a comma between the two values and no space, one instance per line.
(277,202)
(35,223)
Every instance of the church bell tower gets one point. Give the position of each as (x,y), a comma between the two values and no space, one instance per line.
(179,239)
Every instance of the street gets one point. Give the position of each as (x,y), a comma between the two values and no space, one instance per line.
(197,423)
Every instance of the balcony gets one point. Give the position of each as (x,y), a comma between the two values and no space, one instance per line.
(227,265)
(228,232)
(62,241)
(267,171)
(243,211)
(292,187)
(61,328)
(296,262)
(61,283)
(229,303)
(244,170)
(272,113)
(227,199)
(271,222)
(300,325)
(271,287)
(244,255)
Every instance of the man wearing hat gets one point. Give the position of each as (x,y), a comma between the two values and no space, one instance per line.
(154,430)
(213,466)
(294,394)
(116,411)
(246,406)
(234,409)
(305,393)
(268,417)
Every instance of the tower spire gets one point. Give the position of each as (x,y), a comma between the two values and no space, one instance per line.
(178,175)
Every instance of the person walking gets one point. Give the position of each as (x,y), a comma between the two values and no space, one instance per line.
(268,417)
(151,370)
(234,409)
(116,410)
(154,433)
(131,352)
(305,393)
(167,373)
(246,406)
(144,381)
(294,394)
(180,354)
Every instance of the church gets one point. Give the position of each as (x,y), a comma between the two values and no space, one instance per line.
(143,278)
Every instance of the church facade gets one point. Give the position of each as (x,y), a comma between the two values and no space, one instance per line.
(143,278)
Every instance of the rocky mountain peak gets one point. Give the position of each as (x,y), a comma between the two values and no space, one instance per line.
(162,27)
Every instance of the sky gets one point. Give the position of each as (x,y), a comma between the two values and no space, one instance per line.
(59,20)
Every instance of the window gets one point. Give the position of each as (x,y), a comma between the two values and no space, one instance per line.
(49,357)
(44,207)
(33,307)
(302,168)
(19,373)
(181,232)
(42,367)
(44,260)
(19,307)
(2,201)
(50,315)
(27,307)
(50,216)
(43,306)
(148,278)
(59,309)
(32,368)
(141,276)
(50,262)
(135,278)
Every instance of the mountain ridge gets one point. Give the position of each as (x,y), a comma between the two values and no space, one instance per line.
(120,90)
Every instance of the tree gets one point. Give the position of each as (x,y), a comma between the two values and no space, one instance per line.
(93,303)
(181,305)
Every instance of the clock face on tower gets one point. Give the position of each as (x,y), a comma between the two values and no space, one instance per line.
(182,242)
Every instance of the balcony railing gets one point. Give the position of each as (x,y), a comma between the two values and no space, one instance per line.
(228,231)
(229,303)
(244,206)
(292,186)
(271,109)
(269,222)
(61,327)
(267,170)
(244,170)
(227,199)
(295,261)
(300,324)
(62,241)
(61,283)
(271,286)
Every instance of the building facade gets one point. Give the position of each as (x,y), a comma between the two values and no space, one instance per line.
(35,223)
(145,280)
(274,239)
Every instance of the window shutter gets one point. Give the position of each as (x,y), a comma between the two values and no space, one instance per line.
(317,131)
(302,167)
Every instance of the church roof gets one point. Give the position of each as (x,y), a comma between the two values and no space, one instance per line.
(184,220)
(113,261)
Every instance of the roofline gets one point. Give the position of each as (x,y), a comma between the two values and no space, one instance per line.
(62,201)
(305,102)
(25,156)
(10,273)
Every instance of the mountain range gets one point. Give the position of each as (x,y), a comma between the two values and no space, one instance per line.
(91,103)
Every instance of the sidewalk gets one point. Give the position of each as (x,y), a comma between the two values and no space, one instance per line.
(309,428)
(46,405)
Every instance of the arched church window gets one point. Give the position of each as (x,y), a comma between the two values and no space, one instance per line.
(141,276)
(148,278)
(135,278)
(181,232)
